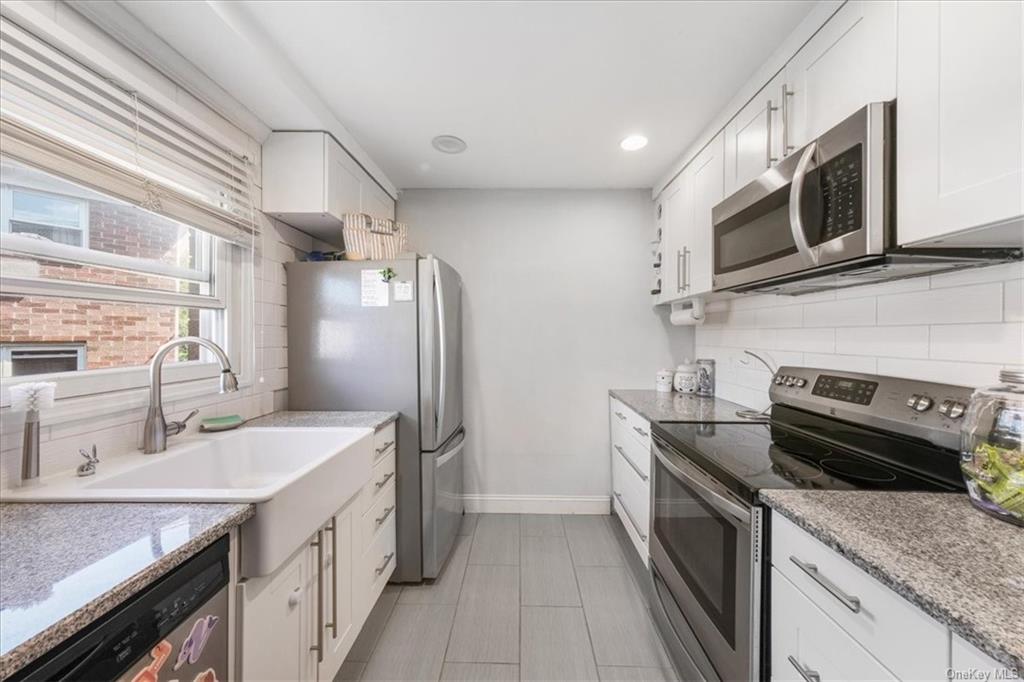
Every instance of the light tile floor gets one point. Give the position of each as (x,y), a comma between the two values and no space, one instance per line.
(531,597)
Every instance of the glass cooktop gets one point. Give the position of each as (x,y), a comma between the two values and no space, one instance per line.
(818,454)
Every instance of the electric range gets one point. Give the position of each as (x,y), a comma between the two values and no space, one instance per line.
(827,430)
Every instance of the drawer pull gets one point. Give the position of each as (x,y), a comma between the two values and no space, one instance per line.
(387,513)
(387,560)
(639,473)
(641,431)
(636,526)
(384,448)
(806,673)
(852,603)
(384,481)
(620,416)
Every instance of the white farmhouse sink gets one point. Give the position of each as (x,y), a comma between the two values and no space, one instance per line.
(297,477)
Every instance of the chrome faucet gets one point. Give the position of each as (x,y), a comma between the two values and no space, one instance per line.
(156,430)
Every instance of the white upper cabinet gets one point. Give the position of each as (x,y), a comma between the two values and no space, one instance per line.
(753,137)
(675,207)
(706,175)
(311,182)
(849,62)
(960,124)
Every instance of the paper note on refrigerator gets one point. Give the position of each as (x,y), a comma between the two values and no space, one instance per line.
(374,289)
(403,291)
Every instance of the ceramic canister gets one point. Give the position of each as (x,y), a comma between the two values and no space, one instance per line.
(663,381)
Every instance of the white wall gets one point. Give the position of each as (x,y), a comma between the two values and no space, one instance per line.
(957,328)
(119,431)
(557,311)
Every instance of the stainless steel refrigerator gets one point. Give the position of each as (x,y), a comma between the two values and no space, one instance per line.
(356,342)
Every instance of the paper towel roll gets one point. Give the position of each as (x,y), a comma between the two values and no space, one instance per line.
(692,314)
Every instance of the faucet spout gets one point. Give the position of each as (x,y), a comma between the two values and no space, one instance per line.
(156,429)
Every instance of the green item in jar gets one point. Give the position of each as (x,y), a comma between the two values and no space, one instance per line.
(999,472)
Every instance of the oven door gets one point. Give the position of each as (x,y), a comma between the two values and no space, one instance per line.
(825,203)
(702,549)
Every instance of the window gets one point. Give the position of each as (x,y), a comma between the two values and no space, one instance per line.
(90,282)
(21,360)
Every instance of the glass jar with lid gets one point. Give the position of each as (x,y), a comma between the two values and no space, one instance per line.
(992,447)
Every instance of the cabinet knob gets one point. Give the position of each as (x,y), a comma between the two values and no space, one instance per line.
(295,597)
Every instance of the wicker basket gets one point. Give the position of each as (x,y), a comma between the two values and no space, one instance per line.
(369,238)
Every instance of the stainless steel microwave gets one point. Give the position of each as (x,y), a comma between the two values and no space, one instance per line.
(826,203)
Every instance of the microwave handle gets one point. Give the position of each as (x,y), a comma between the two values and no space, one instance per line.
(796,223)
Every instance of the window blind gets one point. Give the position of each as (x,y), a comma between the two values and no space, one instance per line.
(64,117)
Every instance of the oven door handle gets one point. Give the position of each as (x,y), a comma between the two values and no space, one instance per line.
(735,511)
(796,221)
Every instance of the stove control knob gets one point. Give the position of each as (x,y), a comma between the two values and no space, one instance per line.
(778,379)
(800,383)
(923,404)
(957,410)
(912,401)
(945,406)
(790,381)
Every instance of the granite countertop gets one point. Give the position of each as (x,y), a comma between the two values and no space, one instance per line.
(957,564)
(678,407)
(62,566)
(362,420)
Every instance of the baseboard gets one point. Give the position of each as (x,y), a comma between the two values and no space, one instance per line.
(537,504)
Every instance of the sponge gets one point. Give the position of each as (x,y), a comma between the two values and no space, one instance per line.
(221,423)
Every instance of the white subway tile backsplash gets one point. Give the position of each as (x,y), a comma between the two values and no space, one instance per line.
(781,316)
(941,371)
(898,342)
(852,312)
(965,304)
(805,339)
(1013,301)
(993,343)
(846,363)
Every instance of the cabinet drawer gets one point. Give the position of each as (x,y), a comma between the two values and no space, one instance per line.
(637,427)
(378,562)
(383,474)
(802,635)
(377,517)
(902,637)
(638,544)
(627,445)
(633,494)
(384,441)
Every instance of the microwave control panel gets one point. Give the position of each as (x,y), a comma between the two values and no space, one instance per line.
(842,194)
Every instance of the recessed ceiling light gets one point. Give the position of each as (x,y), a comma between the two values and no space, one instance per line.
(449,144)
(633,143)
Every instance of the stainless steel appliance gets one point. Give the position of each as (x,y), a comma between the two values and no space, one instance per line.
(828,430)
(823,218)
(357,343)
(176,628)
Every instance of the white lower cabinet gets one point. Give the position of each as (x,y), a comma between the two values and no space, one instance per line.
(300,622)
(832,621)
(631,456)
(972,663)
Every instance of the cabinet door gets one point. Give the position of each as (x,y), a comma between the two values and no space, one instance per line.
(339,623)
(959,118)
(343,180)
(673,240)
(752,143)
(376,201)
(849,62)
(278,616)
(707,182)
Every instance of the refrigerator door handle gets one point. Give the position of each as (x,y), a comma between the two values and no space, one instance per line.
(443,351)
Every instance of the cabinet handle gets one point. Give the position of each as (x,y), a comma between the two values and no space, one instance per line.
(387,513)
(333,530)
(620,416)
(387,560)
(806,673)
(850,602)
(384,481)
(769,159)
(636,526)
(639,473)
(319,646)
(786,146)
(679,271)
(686,267)
(384,448)
(640,431)
(295,597)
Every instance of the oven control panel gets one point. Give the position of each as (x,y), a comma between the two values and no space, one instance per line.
(849,390)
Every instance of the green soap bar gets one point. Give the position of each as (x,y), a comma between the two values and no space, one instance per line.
(220,423)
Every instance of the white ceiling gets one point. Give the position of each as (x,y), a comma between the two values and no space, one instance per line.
(541,91)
